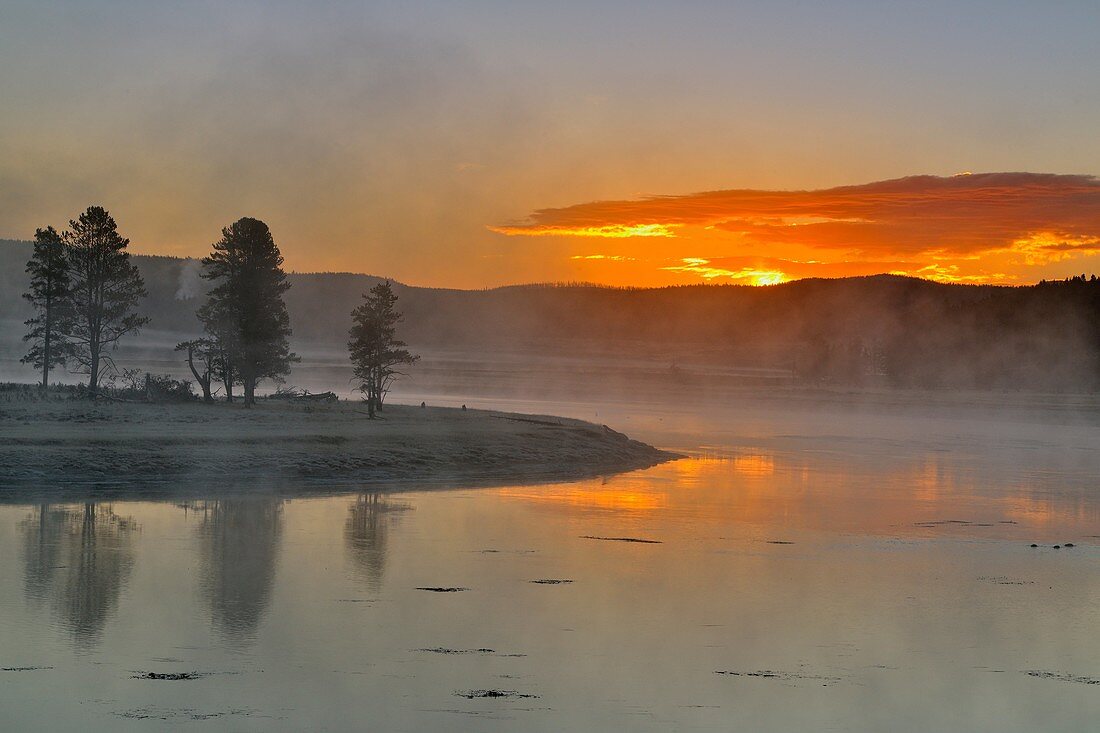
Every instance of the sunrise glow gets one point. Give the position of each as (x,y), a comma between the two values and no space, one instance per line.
(608,231)
(746,275)
(531,366)
(977,228)
(478,156)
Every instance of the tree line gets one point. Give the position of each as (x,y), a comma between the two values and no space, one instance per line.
(85,293)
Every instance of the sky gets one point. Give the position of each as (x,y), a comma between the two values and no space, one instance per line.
(475,144)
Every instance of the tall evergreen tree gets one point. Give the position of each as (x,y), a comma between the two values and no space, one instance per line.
(374,347)
(49,271)
(104,291)
(245,313)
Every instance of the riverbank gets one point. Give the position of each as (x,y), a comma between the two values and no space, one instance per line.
(55,449)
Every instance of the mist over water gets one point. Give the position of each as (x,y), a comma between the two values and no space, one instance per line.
(815,287)
(833,552)
(816,566)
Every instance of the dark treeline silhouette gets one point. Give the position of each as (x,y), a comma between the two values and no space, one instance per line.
(48,338)
(375,351)
(104,291)
(83,292)
(884,329)
(244,314)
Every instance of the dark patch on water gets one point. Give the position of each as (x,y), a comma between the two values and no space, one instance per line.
(783,676)
(445,650)
(621,539)
(493,550)
(1004,580)
(168,676)
(178,714)
(441,589)
(1062,677)
(780,542)
(494,694)
(22,669)
(959,522)
(552,581)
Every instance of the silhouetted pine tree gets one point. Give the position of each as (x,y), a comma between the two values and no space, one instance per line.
(375,350)
(49,271)
(105,288)
(245,313)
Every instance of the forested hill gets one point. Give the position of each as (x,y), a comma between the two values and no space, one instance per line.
(905,331)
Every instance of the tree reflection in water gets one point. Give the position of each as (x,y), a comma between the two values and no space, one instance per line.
(239,551)
(365,532)
(78,559)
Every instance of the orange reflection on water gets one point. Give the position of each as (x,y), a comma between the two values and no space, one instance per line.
(923,496)
(754,466)
(590,495)
(1045,513)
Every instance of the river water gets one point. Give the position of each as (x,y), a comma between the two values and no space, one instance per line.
(825,569)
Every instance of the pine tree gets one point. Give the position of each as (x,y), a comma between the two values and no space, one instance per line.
(373,345)
(49,271)
(245,313)
(105,288)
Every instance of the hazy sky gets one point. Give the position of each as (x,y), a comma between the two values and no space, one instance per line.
(424,140)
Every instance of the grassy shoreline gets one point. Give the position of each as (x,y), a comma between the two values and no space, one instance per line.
(55,449)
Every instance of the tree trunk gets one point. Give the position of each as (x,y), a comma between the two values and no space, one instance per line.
(93,376)
(376,392)
(46,349)
(249,391)
(203,380)
(228,381)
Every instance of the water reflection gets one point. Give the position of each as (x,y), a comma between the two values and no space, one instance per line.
(832,590)
(917,495)
(239,551)
(365,534)
(78,559)
(41,549)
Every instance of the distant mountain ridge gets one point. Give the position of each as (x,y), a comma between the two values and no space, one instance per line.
(909,331)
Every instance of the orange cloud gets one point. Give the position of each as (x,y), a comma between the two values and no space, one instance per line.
(610,231)
(989,227)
